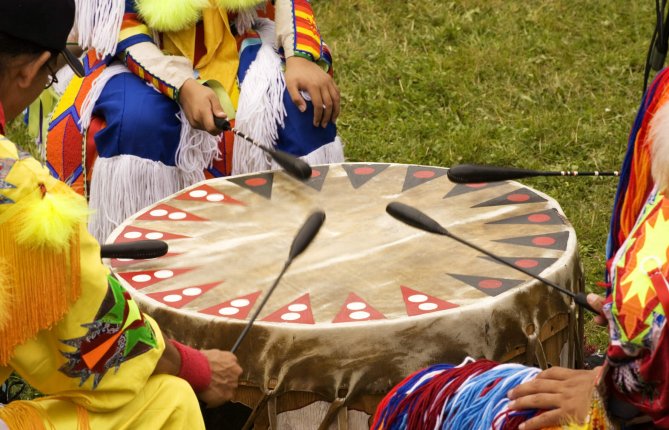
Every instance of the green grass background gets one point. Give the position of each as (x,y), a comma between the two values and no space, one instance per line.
(551,84)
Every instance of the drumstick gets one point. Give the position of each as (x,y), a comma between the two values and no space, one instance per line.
(474,173)
(415,218)
(297,167)
(140,250)
(304,237)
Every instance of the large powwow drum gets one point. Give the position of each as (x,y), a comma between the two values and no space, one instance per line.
(371,300)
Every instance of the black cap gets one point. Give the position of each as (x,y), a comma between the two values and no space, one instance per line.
(46,23)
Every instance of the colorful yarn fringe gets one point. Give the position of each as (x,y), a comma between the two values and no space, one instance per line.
(636,181)
(470,396)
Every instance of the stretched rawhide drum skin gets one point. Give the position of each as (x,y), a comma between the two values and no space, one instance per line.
(371,300)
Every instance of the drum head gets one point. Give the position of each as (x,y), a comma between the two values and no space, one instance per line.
(229,239)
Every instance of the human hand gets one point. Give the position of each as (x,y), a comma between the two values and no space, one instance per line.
(200,104)
(597,303)
(305,75)
(565,394)
(225,372)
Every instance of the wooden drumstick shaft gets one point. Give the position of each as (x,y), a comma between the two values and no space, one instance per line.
(302,239)
(297,167)
(415,218)
(474,173)
(248,326)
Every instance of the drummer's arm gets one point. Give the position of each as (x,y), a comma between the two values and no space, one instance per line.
(171,75)
(213,374)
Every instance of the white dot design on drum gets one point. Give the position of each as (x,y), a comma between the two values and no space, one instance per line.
(372,299)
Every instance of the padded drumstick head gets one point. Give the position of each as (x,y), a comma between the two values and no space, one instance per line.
(415,218)
(140,250)
(306,234)
(297,167)
(473,173)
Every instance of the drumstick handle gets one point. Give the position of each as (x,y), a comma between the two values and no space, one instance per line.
(297,167)
(579,298)
(248,326)
(143,249)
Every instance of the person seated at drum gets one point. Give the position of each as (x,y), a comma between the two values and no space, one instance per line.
(636,370)
(635,374)
(209,62)
(66,325)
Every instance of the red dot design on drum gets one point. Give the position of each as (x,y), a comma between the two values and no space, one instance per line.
(228,238)
(237,308)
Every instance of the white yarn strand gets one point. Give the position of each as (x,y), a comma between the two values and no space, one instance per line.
(261,110)
(197,149)
(99,23)
(125,184)
(96,89)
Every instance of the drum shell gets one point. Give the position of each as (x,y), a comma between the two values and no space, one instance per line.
(350,365)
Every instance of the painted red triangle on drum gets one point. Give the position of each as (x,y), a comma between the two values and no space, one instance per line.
(165,212)
(418,303)
(118,262)
(297,312)
(207,193)
(133,234)
(145,278)
(356,309)
(238,308)
(182,296)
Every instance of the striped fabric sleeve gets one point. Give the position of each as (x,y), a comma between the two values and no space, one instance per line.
(297,31)
(166,73)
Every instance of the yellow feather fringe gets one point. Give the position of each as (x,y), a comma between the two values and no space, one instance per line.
(50,220)
(171,15)
(177,15)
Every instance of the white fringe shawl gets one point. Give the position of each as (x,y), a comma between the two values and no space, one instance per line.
(260,110)
(93,95)
(98,23)
(125,184)
(659,134)
(197,149)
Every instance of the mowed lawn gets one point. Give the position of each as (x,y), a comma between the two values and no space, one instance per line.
(552,84)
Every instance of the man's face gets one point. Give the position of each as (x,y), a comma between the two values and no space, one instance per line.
(25,78)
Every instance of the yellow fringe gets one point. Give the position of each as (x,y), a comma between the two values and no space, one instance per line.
(4,293)
(44,283)
(82,418)
(25,415)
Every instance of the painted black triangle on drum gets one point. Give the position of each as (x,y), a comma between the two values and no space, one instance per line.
(460,189)
(531,264)
(517,197)
(488,285)
(360,174)
(418,175)
(547,217)
(259,184)
(546,241)
(318,175)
